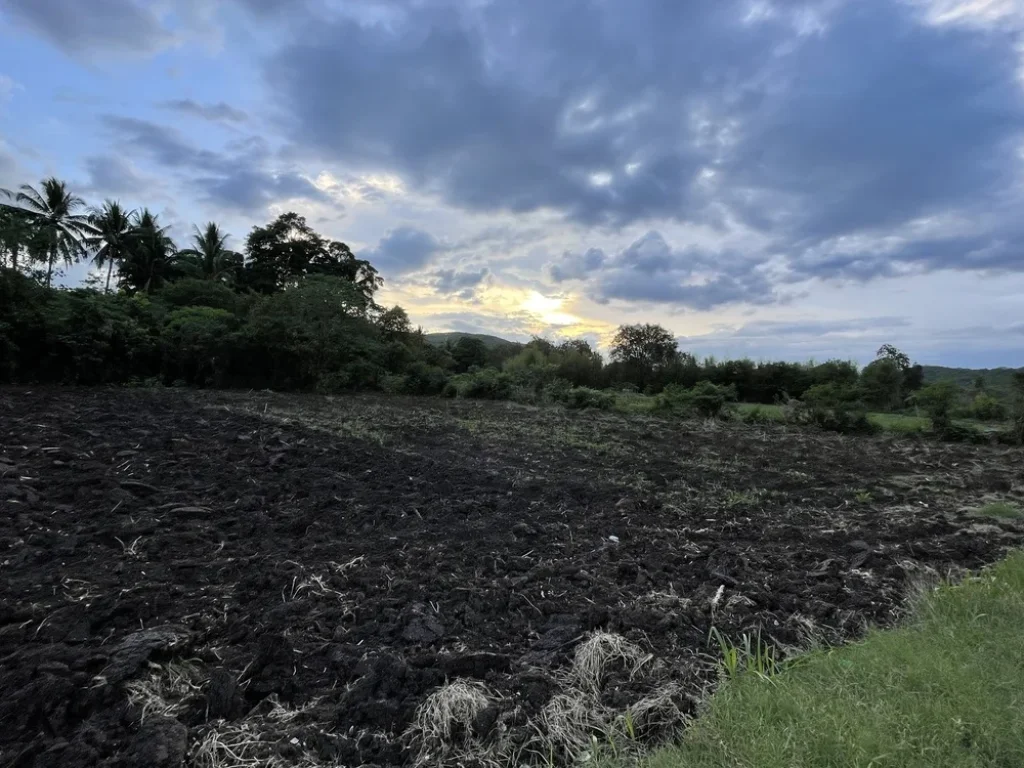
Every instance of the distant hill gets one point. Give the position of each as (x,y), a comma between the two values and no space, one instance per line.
(998,381)
(492,342)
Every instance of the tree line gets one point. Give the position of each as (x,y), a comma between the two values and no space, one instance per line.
(296,310)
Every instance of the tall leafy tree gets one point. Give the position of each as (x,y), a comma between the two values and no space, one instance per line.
(209,257)
(150,254)
(60,229)
(646,346)
(288,249)
(110,236)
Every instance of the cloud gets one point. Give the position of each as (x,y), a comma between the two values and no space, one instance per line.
(858,338)
(111,26)
(650,270)
(238,180)
(457,283)
(577,266)
(404,249)
(221,112)
(113,175)
(810,124)
(7,88)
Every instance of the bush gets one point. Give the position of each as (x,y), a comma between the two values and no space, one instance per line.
(832,395)
(192,292)
(557,391)
(394,384)
(483,384)
(757,415)
(197,343)
(984,407)
(962,433)
(847,419)
(425,379)
(938,401)
(585,397)
(704,399)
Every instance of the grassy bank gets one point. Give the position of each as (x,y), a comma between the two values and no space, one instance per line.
(947,689)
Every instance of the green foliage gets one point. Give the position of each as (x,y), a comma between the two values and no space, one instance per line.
(197,344)
(469,352)
(882,384)
(832,395)
(750,656)
(585,397)
(316,333)
(287,249)
(938,401)
(942,690)
(194,292)
(209,257)
(984,407)
(1017,409)
(704,399)
(759,414)
(483,384)
(1001,509)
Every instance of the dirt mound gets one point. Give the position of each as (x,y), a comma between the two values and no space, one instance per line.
(297,581)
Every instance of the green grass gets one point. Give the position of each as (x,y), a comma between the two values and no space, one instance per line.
(900,422)
(946,689)
(1000,509)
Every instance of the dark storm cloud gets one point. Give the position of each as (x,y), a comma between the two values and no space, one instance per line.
(880,120)
(221,112)
(522,106)
(237,180)
(403,249)
(613,112)
(81,26)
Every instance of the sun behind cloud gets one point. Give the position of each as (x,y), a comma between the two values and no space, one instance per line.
(549,309)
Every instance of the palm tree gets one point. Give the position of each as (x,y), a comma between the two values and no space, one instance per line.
(60,229)
(209,257)
(17,234)
(149,254)
(110,236)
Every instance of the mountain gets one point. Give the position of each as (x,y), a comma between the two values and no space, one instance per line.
(998,381)
(491,342)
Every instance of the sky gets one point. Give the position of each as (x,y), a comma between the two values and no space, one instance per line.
(770,179)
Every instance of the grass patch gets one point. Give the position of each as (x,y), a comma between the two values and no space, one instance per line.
(900,423)
(947,689)
(1000,509)
(772,412)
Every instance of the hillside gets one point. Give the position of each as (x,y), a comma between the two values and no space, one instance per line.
(998,381)
(492,342)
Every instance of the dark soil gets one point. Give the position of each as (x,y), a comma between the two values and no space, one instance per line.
(356,553)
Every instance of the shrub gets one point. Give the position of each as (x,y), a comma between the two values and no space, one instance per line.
(938,401)
(847,419)
(394,384)
(585,397)
(196,345)
(557,391)
(705,399)
(483,384)
(757,415)
(832,395)
(192,292)
(984,407)
(425,379)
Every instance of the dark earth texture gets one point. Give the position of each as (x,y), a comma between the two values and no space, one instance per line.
(319,566)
